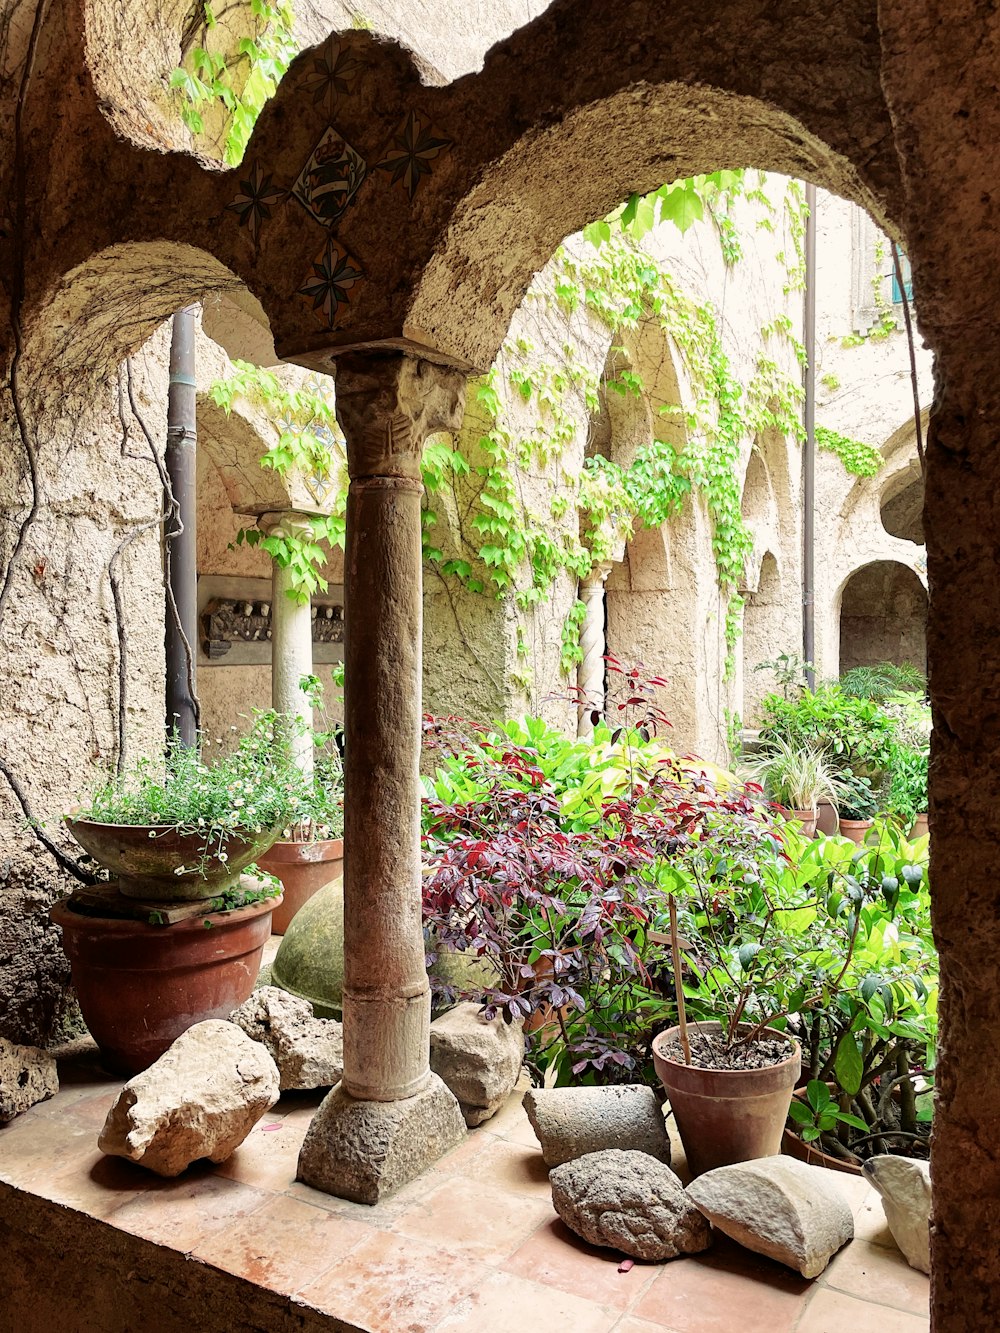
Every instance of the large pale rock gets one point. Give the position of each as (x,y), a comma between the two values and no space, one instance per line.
(571,1122)
(27,1076)
(365,1150)
(628,1201)
(200,1099)
(779,1207)
(905,1187)
(479,1061)
(308,1051)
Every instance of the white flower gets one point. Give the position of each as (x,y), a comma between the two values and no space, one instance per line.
(223,856)
(152,833)
(201,823)
(239,801)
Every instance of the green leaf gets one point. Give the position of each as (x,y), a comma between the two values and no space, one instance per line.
(849,1065)
(800,1113)
(818,1094)
(846,1118)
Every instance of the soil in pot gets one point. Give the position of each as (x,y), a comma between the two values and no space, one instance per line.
(140,986)
(728,1110)
(303,869)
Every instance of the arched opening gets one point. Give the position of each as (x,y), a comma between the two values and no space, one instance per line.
(902,507)
(883,617)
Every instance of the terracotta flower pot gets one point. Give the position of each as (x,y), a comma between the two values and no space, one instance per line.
(303,868)
(827,820)
(808,819)
(146,858)
(727,1115)
(141,986)
(920,827)
(794,1146)
(855,829)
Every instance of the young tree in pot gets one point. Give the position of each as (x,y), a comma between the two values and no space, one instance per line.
(176,936)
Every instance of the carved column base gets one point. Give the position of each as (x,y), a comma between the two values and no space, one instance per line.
(365,1151)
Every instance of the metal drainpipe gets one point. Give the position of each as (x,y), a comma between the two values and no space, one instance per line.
(809,451)
(181,635)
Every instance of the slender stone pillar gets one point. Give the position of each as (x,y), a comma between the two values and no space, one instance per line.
(390,1117)
(594,645)
(291,640)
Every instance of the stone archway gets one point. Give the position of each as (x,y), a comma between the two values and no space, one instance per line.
(883,617)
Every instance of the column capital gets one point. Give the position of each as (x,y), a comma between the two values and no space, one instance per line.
(284,522)
(598,575)
(388,405)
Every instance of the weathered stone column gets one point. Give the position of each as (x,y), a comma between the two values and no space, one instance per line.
(593,644)
(291,640)
(390,1117)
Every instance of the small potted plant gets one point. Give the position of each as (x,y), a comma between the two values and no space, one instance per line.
(309,854)
(796,777)
(176,935)
(858,807)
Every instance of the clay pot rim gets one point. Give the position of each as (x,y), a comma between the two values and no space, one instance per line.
(236,835)
(62,914)
(733,1075)
(292,851)
(858,823)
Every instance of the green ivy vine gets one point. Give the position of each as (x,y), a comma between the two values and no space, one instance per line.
(242,80)
(859,458)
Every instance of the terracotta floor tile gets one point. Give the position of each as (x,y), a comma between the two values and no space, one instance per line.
(182,1212)
(392,1284)
(467,1215)
(380,1215)
(557,1258)
(268,1157)
(35,1146)
(876,1273)
(95,1184)
(283,1245)
(870,1223)
(726,1290)
(832,1311)
(92,1111)
(298,1108)
(505,1303)
(629,1324)
(508,1166)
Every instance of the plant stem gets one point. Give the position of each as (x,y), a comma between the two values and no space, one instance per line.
(675,954)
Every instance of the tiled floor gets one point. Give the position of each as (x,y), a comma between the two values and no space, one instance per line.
(472,1247)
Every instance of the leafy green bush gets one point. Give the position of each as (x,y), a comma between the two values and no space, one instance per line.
(881,682)
(854,733)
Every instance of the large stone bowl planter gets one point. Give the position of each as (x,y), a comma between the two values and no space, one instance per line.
(727,1115)
(146,858)
(141,986)
(310,959)
(303,868)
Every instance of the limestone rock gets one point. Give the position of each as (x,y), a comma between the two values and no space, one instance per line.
(628,1201)
(365,1151)
(571,1122)
(27,1076)
(200,1099)
(480,1062)
(308,1051)
(905,1187)
(780,1207)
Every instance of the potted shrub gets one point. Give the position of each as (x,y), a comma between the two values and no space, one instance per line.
(869,1034)
(797,778)
(177,935)
(858,807)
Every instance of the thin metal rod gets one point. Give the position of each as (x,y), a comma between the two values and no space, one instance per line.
(809,449)
(180,532)
(675,954)
(914,382)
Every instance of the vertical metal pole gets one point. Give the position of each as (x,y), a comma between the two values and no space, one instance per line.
(809,451)
(180,534)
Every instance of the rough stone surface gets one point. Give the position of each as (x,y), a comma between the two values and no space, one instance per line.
(200,1099)
(905,1187)
(27,1076)
(309,1052)
(480,1062)
(779,1207)
(365,1151)
(571,1122)
(631,1202)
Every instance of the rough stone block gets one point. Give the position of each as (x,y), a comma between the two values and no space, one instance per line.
(200,1099)
(479,1061)
(308,1051)
(571,1122)
(365,1150)
(628,1201)
(27,1076)
(905,1187)
(780,1207)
